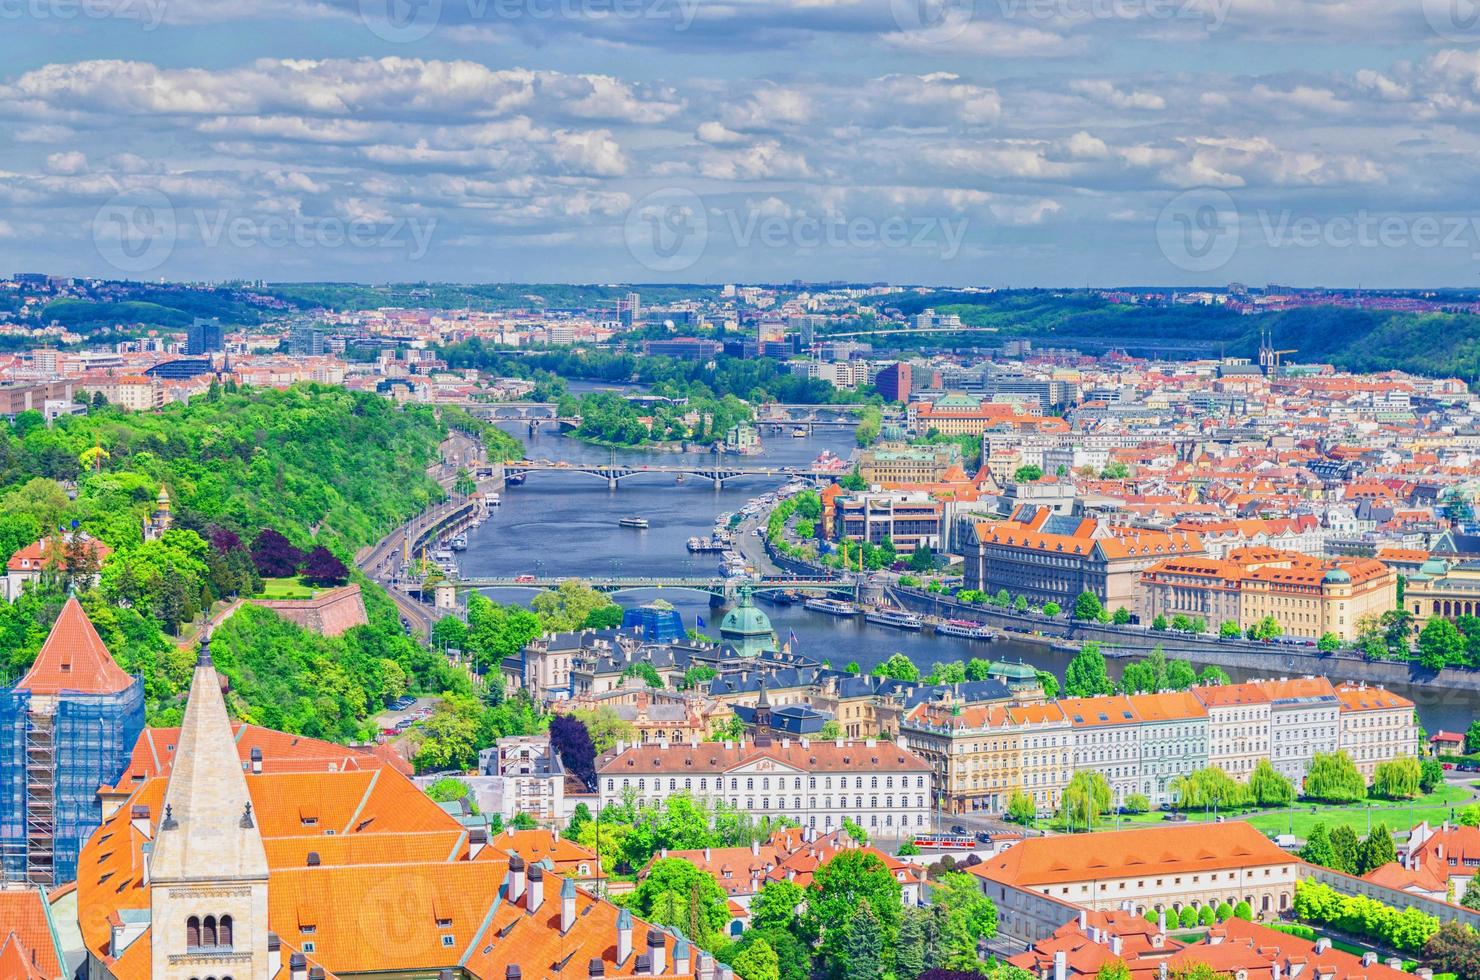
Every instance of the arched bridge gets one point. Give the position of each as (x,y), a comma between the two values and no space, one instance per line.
(613,473)
(719,588)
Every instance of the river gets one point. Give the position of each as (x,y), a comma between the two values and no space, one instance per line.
(566,524)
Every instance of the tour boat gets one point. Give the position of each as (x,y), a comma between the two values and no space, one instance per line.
(833,607)
(493,500)
(639,522)
(961,627)
(459,543)
(897,618)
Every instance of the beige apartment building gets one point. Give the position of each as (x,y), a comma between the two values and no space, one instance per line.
(900,463)
(1376,725)
(981,753)
(1308,596)
(1442,588)
(1238,726)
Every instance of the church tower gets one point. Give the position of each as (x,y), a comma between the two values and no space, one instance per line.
(208,869)
(162,519)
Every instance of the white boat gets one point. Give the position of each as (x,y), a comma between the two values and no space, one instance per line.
(494,500)
(637,522)
(442,555)
(833,607)
(459,543)
(961,627)
(897,618)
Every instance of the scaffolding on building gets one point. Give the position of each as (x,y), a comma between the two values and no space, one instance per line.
(55,751)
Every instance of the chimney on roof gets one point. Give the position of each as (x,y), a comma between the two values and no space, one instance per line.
(1161,922)
(567,905)
(657,951)
(313,859)
(536,896)
(298,966)
(595,968)
(1060,965)
(706,855)
(256,761)
(516,878)
(274,954)
(1274,970)
(624,936)
(680,958)
(706,967)
(316,973)
(1115,945)
(1084,920)
(1394,963)
(512,972)
(1322,945)
(1369,958)
(477,840)
(755,848)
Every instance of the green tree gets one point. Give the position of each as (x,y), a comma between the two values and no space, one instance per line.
(1121,616)
(1085,799)
(1332,778)
(843,885)
(1021,808)
(899,667)
(758,961)
(1051,609)
(1267,787)
(1087,606)
(1377,849)
(1440,645)
(1188,917)
(1229,630)
(1159,624)
(1206,916)
(1345,848)
(1328,643)
(1113,969)
(1136,803)
(1027,474)
(1243,911)
(1318,848)
(704,900)
(830,731)
(1223,912)
(1087,675)
(1397,779)
(775,906)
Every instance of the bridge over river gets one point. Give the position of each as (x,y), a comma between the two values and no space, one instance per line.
(716,470)
(723,589)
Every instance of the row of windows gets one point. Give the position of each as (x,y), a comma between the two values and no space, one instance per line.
(796,803)
(719,783)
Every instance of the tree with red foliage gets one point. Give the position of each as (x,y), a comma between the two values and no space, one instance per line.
(570,738)
(224,539)
(274,555)
(322,568)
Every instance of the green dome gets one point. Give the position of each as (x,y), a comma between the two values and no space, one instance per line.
(1435,567)
(1008,671)
(746,628)
(1337,576)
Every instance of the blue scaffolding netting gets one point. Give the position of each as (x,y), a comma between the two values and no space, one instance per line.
(54,754)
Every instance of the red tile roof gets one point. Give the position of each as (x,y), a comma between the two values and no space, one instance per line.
(73,658)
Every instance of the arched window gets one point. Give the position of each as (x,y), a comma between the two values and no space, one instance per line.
(224,935)
(192,933)
(208,934)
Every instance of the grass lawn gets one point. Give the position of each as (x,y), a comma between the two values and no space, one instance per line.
(286,588)
(1399,817)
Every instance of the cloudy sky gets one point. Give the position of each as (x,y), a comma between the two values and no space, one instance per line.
(994,142)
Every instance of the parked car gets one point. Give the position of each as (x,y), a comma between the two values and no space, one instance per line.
(958,829)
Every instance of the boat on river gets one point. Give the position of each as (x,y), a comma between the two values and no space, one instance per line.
(964,628)
(896,618)
(833,607)
(637,522)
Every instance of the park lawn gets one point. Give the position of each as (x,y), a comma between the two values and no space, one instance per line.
(1435,808)
(286,588)
(1399,817)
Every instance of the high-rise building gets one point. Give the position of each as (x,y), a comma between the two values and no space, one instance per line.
(306,340)
(894,382)
(629,309)
(67,728)
(204,336)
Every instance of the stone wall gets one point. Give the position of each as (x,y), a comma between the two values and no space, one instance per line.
(329,613)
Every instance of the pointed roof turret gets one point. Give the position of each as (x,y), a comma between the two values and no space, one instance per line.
(74,658)
(214,837)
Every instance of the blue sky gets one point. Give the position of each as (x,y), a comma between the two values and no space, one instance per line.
(995,142)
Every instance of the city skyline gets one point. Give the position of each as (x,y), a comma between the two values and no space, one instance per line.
(1022,142)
